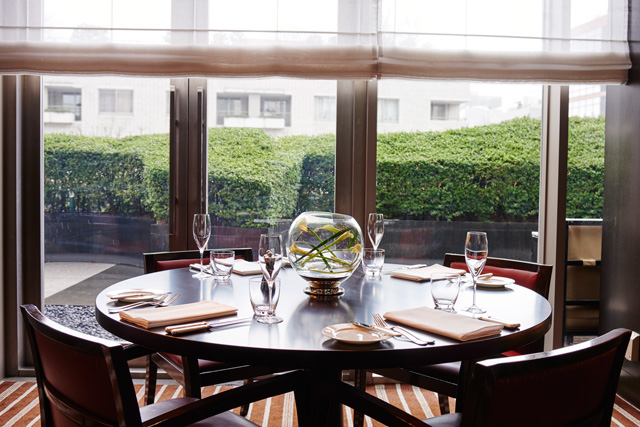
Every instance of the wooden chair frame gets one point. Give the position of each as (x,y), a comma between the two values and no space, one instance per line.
(481,395)
(150,259)
(174,412)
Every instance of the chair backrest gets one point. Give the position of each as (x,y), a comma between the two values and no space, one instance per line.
(574,385)
(82,380)
(534,276)
(160,261)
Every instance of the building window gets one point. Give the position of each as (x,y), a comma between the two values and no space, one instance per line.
(325,108)
(65,100)
(444,111)
(388,110)
(231,106)
(276,107)
(115,101)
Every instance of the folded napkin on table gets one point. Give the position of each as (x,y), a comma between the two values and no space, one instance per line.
(162,316)
(440,322)
(423,274)
(246,268)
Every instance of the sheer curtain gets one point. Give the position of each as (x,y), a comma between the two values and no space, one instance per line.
(498,40)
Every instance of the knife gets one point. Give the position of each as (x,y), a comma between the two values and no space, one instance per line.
(202,326)
(507,325)
(376,328)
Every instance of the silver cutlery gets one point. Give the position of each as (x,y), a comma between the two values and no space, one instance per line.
(376,328)
(379,321)
(137,295)
(158,302)
(203,326)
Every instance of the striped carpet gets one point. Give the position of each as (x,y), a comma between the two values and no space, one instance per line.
(19,404)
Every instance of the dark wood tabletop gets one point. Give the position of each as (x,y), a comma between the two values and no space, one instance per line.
(298,342)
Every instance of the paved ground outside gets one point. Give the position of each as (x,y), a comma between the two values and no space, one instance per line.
(70,290)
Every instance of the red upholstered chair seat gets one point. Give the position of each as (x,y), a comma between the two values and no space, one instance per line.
(178,263)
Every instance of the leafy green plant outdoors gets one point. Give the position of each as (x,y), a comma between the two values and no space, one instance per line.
(485,173)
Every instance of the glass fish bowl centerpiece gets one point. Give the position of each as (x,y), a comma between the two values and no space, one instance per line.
(324,248)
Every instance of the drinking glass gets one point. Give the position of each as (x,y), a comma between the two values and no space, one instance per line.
(372,261)
(475,254)
(270,260)
(201,234)
(444,290)
(375,228)
(221,263)
(261,299)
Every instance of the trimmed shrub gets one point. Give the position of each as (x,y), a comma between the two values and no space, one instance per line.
(485,173)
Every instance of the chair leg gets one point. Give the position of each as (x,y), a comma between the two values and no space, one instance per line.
(191,373)
(359,382)
(244,409)
(150,381)
(443,401)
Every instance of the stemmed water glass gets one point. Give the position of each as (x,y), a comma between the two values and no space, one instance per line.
(270,260)
(201,234)
(475,254)
(375,228)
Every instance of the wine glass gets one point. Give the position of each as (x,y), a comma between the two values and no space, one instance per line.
(201,234)
(475,254)
(270,260)
(375,228)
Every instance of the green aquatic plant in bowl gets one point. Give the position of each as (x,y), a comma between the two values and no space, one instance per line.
(324,248)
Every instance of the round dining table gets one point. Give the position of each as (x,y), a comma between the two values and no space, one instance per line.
(298,343)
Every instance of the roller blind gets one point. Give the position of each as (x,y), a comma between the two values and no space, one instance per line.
(559,41)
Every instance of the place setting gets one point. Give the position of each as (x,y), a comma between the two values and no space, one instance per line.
(264,292)
(129,299)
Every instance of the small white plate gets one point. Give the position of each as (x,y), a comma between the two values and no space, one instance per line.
(348,333)
(135,295)
(495,282)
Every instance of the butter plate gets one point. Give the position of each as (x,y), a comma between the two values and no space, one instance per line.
(351,334)
(495,282)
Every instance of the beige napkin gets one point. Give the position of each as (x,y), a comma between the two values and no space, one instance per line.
(440,322)
(246,268)
(423,274)
(162,316)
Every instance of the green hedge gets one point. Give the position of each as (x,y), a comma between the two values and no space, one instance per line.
(485,173)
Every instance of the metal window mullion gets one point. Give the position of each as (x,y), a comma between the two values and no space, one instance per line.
(553,199)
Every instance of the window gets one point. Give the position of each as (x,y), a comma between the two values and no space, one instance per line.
(444,111)
(437,179)
(325,108)
(276,107)
(388,110)
(118,101)
(63,100)
(231,106)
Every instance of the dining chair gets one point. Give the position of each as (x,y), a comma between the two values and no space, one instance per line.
(443,378)
(160,261)
(192,373)
(84,380)
(573,385)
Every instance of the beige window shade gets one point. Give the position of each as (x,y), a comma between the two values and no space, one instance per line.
(581,41)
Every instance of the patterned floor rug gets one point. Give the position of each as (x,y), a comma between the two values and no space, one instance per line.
(19,405)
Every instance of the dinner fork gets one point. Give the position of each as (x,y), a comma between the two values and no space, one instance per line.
(379,321)
(158,302)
